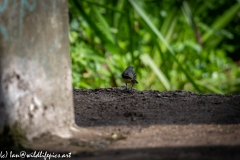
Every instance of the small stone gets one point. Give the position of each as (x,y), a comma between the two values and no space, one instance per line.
(114,136)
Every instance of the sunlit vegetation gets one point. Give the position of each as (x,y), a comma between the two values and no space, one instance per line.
(173,45)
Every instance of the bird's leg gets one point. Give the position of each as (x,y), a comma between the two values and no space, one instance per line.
(132,87)
(126,85)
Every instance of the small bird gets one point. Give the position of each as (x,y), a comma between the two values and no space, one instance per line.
(129,76)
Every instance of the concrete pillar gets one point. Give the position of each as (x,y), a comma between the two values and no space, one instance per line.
(35,68)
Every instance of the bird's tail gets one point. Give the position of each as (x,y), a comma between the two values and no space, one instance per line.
(134,81)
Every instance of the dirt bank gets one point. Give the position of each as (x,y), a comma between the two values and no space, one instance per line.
(160,125)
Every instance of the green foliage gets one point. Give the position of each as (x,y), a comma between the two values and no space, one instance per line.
(172,44)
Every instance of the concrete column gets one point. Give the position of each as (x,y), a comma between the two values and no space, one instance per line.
(35,68)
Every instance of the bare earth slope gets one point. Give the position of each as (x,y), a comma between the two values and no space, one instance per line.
(160,125)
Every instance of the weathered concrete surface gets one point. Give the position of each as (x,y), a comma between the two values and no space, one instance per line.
(35,68)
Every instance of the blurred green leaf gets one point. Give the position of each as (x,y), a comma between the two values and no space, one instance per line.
(107,42)
(222,21)
(147,60)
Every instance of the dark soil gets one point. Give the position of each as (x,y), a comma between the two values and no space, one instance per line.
(160,125)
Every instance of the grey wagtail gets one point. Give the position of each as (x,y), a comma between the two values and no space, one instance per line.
(129,76)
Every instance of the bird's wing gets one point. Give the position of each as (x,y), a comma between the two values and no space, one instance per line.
(128,75)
